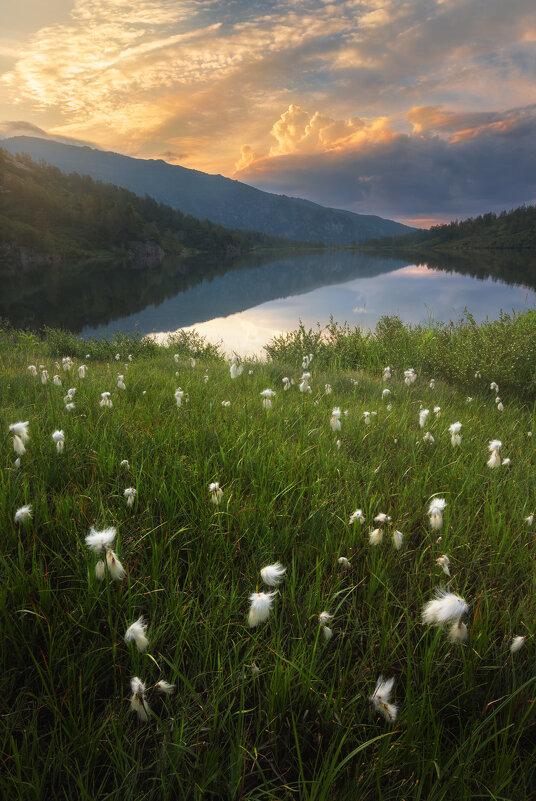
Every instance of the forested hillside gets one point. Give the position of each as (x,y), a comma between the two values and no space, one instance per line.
(50,216)
(509,230)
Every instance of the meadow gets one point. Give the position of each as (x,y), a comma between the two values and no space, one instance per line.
(288,708)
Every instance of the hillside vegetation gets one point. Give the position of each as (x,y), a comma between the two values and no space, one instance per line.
(349,684)
(509,230)
(44,211)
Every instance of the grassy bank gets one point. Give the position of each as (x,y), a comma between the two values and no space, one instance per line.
(276,711)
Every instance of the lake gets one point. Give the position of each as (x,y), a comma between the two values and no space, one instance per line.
(244,303)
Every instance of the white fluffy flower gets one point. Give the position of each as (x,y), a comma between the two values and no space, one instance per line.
(121,382)
(179,395)
(458,632)
(500,407)
(444,562)
(69,407)
(517,644)
(106,401)
(273,575)
(99,570)
(82,371)
(164,687)
(20,430)
(357,516)
(410,376)
(432,384)
(494,386)
(99,541)
(380,699)
(376,536)
(455,437)
(23,514)
(216,493)
(446,607)
(226,404)
(18,445)
(44,376)
(344,563)
(529,520)
(124,465)
(59,438)
(386,373)
(267,395)
(428,438)
(324,618)
(435,512)
(423,414)
(236,369)
(386,393)
(286,383)
(115,568)
(261,604)
(335,421)
(136,632)
(130,495)
(56,381)
(398,539)
(382,518)
(32,369)
(366,418)
(138,703)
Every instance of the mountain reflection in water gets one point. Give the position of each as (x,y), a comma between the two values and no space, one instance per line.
(99,299)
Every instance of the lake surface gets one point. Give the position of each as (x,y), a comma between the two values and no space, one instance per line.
(243,305)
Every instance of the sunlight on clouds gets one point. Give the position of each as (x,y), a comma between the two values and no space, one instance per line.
(297,131)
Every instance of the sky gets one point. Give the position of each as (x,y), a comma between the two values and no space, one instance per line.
(421,111)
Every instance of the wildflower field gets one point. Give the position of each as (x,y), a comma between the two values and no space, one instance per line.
(387,649)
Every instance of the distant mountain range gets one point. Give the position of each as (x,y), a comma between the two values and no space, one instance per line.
(213,197)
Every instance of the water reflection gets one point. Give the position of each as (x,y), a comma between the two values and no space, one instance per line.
(244,303)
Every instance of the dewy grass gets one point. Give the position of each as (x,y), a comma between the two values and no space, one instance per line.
(281,709)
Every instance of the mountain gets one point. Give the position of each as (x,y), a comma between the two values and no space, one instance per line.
(213,197)
(47,216)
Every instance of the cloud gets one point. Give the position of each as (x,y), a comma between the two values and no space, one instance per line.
(408,175)
(20,128)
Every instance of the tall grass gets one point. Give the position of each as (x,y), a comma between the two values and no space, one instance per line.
(303,726)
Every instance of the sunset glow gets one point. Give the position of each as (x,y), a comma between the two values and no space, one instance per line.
(351,104)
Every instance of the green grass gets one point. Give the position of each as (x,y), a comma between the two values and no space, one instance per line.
(302,728)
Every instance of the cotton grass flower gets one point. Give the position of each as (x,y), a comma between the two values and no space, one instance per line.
(435,512)
(57,381)
(458,632)
(382,518)
(32,369)
(236,369)
(44,376)
(23,514)
(286,383)
(100,570)
(273,575)
(398,539)
(494,386)
(130,495)
(357,516)
(344,563)
(494,447)
(216,493)
(323,620)
(455,436)
(517,644)
(99,541)
(82,370)
(121,382)
(446,607)
(380,699)
(136,633)
(423,414)
(261,604)
(505,462)
(428,438)
(386,374)
(529,520)
(267,395)
(500,407)
(164,687)
(386,393)
(59,438)
(179,395)
(366,418)
(335,421)
(432,384)
(115,568)
(124,465)
(69,407)
(138,703)
(106,401)
(410,376)
(444,562)
(226,404)
(376,536)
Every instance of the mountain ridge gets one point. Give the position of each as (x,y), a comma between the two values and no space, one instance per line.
(221,200)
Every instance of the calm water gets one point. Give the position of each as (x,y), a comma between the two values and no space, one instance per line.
(244,305)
